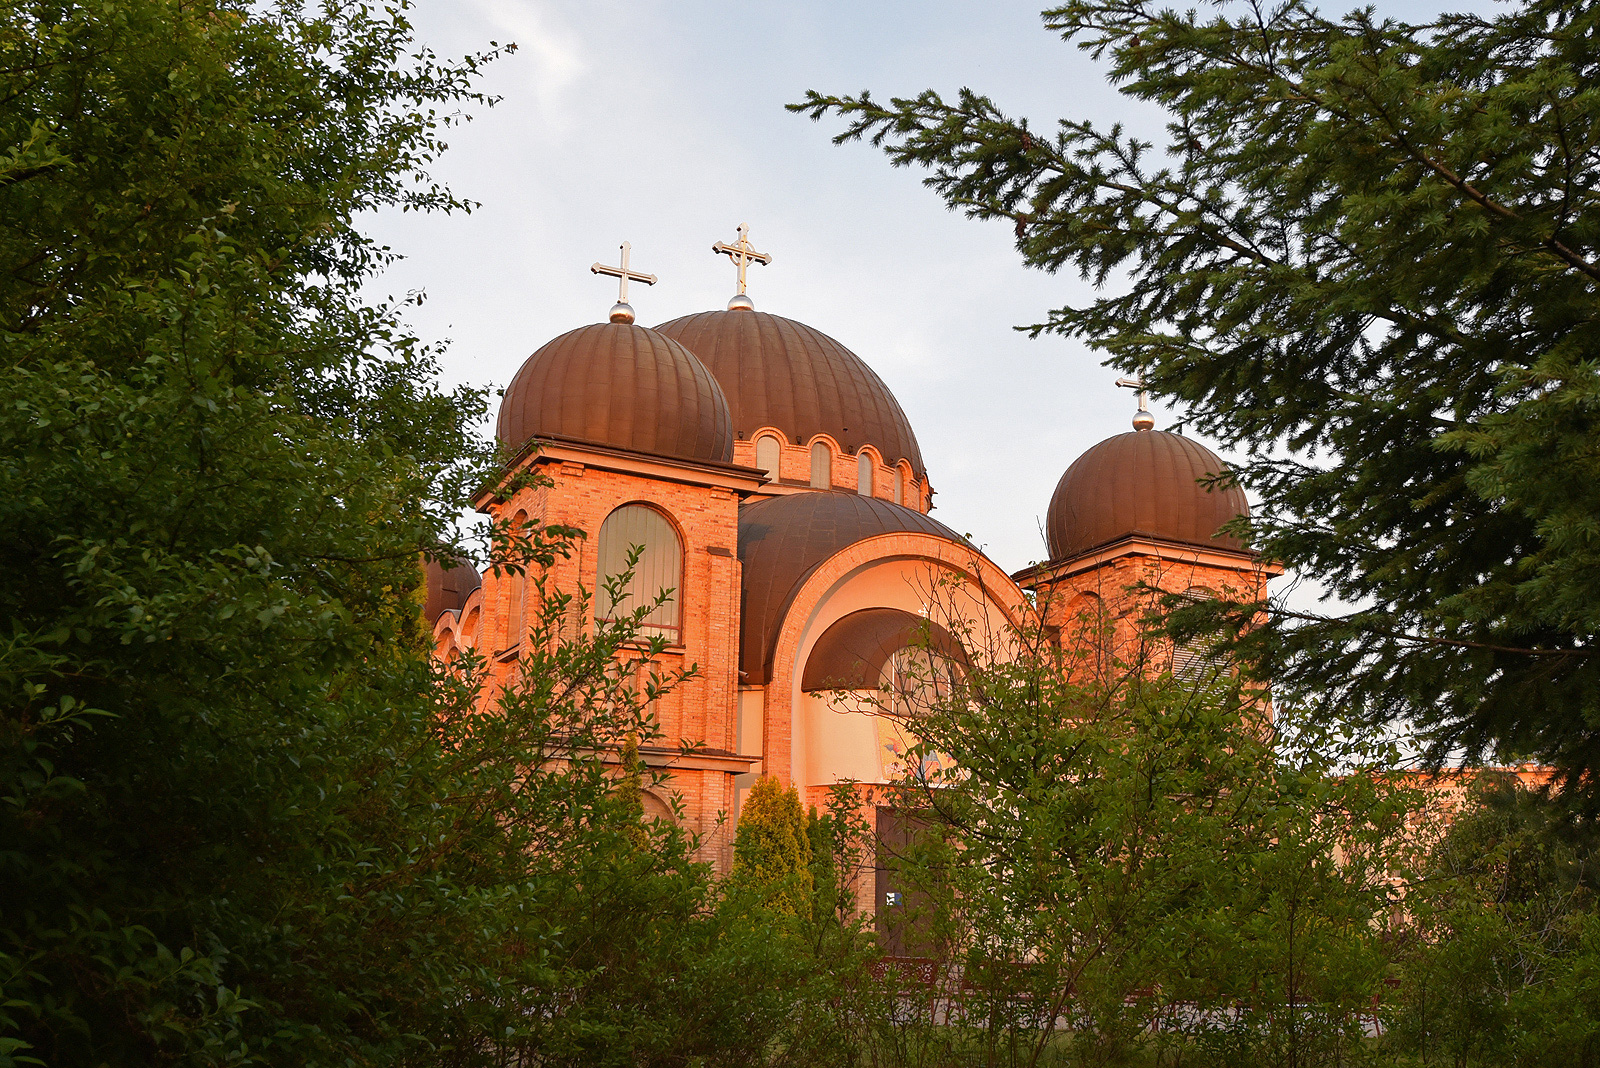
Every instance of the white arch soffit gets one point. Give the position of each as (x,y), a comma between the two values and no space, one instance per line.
(993,583)
(454,619)
(906,591)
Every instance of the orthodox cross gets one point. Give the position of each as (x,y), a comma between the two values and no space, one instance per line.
(622,312)
(1142,419)
(742,253)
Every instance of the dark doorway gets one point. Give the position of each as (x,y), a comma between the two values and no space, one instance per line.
(904,910)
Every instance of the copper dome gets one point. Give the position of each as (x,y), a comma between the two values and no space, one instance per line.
(1142,483)
(779,373)
(619,384)
(447,591)
(783,539)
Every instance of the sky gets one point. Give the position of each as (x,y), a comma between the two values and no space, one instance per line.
(663,124)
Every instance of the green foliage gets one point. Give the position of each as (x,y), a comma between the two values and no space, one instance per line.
(1121,867)
(217,470)
(244,818)
(772,850)
(613,945)
(1502,962)
(1375,246)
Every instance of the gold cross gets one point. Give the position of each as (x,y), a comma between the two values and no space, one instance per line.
(1138,384)
(742,253)
(1142,419)
(622,312)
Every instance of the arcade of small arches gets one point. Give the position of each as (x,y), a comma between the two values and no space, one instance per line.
(822,463)
(777,498)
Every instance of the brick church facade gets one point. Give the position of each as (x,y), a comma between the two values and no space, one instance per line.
(778,490)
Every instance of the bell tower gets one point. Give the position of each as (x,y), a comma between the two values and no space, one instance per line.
(1138,516)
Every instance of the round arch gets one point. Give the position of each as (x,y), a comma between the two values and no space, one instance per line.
(649,527)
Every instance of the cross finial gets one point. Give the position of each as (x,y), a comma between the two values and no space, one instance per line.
(742,253)
(1142,419)
(622,311)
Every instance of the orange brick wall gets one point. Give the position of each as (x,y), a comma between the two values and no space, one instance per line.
(703,709)
(1105,604)
(794,466)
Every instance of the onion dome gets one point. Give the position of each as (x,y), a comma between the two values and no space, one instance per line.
(779,373)
(1147,483)
(782,540)
(448,590)
(619,384)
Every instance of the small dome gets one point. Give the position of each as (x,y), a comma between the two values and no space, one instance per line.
(447,591)
(783,539)
(1142,483)
(779,373)
(619,384)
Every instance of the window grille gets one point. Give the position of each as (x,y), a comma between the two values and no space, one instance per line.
(659,568)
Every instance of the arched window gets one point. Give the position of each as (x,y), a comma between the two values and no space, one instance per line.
(908,488)
(918,680)
(821,465)
(1197,659)
(518,593)
(659,568)
(894,487)
(1090,632)
(768,454)
(864,473)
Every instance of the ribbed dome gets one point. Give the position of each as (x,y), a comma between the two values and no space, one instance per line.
(783,539)
(780,373)
(447,591)
(619,384)
(1142,483)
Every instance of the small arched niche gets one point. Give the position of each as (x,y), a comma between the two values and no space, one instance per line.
(769,456)
(866,463)
(821,465)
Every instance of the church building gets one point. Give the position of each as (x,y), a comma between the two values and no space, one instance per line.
(778,491)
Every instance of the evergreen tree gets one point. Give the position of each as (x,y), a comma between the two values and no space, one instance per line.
(772,849)
(1376,246)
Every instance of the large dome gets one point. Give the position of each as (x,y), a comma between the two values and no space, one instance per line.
(782,540)
(619,384)
(779,373)
(1146,483)
(447,591)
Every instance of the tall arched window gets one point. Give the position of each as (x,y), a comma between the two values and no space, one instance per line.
(659,568)
(768,454)
(1090,632)
(864,473)
(821,465)
(1197,659)
(908,488)
(517,584)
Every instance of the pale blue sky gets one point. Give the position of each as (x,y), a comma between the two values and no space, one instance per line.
(663,124)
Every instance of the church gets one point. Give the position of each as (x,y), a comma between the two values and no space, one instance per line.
(777,490)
